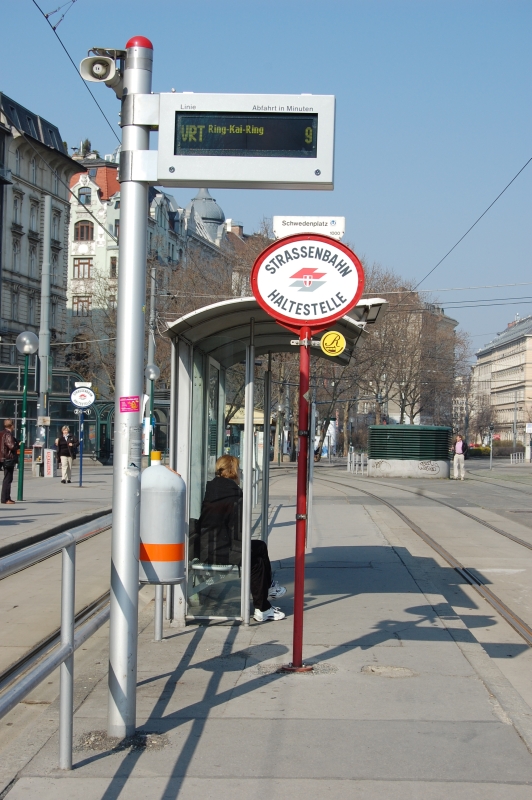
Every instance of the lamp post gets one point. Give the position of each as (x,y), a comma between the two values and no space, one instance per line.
(27,344)
(492,426)
(151,373)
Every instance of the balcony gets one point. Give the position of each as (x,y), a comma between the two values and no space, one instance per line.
(5,176)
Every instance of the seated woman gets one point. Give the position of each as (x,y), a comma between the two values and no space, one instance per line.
(220,529)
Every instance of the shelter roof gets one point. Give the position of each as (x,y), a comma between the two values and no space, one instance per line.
(222,330)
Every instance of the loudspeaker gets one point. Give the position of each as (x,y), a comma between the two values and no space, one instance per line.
(98,69)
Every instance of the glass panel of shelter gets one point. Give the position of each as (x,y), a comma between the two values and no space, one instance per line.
(214,590)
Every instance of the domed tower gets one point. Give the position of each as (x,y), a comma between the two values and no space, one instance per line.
(205,217)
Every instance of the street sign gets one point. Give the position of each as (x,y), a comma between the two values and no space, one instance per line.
(82,397)
(243,141)
(308,280)
(328,226)
(333,343)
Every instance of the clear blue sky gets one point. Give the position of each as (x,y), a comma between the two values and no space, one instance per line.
(433,115)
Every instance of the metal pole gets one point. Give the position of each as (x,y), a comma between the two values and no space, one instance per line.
(123,630)
(44,330)
(158,612)
(266,450)
(23,433)
(151,326)
(81,435)
(248,476)
(301,503)
(515,421)
(66,690)
(310,497)
(151,420)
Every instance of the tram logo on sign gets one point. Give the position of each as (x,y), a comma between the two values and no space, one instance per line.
(307,280)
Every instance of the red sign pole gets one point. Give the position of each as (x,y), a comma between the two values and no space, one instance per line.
(301,507)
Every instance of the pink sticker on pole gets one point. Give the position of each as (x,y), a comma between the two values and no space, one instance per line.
(129,404)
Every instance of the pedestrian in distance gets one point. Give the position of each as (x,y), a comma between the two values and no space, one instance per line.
(219,531)
(460,449)
(67,449)
(8,459)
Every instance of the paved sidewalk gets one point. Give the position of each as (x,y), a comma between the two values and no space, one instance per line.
(404,704)
(50,506)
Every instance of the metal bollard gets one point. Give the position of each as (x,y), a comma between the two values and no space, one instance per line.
(66,691)
(158,612)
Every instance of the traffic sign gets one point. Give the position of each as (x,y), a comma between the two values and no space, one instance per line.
(82,397)
(333,343)
(328,226)
(307,281)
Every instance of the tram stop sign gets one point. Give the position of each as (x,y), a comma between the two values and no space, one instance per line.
(307,281)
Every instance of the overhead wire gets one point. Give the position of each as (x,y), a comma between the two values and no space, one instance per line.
(75,67)
(448,253)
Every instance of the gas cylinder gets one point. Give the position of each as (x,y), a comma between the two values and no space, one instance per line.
(162,524)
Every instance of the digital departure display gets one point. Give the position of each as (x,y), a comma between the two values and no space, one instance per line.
(208,133)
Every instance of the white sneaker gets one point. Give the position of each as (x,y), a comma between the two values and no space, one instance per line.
(272,613)
(275,590)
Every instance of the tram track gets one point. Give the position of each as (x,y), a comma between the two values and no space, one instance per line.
(519,625)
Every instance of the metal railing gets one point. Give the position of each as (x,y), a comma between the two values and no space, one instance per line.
(517,458)
(71,639)
(357,462)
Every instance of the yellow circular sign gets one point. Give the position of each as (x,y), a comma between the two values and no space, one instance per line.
(333,343)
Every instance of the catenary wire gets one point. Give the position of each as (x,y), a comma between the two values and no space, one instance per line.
(51,13)
(76,68)
(448,253)
(53,171)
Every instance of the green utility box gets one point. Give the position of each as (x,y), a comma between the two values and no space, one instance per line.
(409,451)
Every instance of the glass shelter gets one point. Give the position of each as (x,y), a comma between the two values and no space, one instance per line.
(205,343)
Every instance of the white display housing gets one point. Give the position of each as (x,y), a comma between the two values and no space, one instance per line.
(283,120)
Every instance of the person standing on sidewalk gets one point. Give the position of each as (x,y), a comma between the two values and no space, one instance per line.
(460,453)
(8,457)
(67,447)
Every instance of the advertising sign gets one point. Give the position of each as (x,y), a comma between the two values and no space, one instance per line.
(328,226)
(307,280)
(82,397)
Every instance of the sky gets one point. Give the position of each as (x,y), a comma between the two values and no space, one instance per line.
(433,118)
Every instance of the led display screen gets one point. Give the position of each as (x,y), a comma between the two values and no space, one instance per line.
(208,133)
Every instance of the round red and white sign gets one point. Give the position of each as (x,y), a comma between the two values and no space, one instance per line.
(307,280)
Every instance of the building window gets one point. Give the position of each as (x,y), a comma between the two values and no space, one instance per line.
(17,162)
(55,269)
(112,301)
(117,230)
(92,172)
(53,316)
(14,306)
(33,217)
(16,256)
(33,171)
(84,196)
(82,268)
(55,182)
(33,262)
(84,231)
(113,270)
(55,226)
(31,310)
(81,306)
(17,203)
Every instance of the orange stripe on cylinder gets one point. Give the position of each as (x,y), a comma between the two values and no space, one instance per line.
(162,552)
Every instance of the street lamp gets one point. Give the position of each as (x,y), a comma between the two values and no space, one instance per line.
(492,427)
(27,345)
(151,373)
(280,431)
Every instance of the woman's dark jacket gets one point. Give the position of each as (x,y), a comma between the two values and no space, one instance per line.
(219,528)
(65,448)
